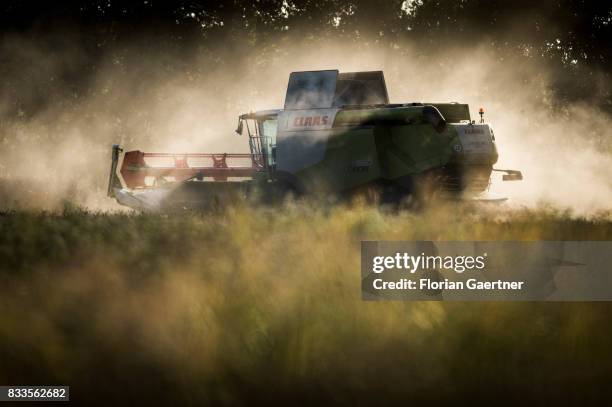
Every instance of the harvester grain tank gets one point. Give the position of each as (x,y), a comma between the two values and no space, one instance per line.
(337,135)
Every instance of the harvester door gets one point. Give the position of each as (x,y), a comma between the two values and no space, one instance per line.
(268,129)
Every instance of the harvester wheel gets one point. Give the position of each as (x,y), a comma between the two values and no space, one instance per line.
(425,187)
(415,192)
(284,186)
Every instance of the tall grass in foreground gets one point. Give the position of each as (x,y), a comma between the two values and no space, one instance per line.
(264,304)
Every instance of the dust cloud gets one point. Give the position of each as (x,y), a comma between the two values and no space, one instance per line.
(163,100)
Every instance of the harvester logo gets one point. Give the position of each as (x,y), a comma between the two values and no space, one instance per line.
(423,262)
(474,130)
(310,121)
(360,165)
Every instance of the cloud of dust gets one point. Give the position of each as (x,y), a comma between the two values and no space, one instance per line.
(154,101)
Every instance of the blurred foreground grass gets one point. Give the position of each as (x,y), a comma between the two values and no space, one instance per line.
(250,305)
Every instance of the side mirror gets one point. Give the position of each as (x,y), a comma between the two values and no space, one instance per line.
(512,175)
(239,128)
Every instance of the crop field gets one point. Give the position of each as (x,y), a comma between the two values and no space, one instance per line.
(264,304)
(253,305)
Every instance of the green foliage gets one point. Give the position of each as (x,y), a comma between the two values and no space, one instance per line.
(571,36)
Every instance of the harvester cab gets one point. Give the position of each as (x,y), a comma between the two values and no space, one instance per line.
(336,135)
(261,128)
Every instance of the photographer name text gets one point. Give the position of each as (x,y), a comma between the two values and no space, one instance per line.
(411,264)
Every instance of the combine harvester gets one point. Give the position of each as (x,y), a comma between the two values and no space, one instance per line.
(338,136)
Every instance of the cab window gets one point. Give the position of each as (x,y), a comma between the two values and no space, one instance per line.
(268,138)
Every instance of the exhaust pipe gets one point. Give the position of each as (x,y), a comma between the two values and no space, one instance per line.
(511,175)
(433,116)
